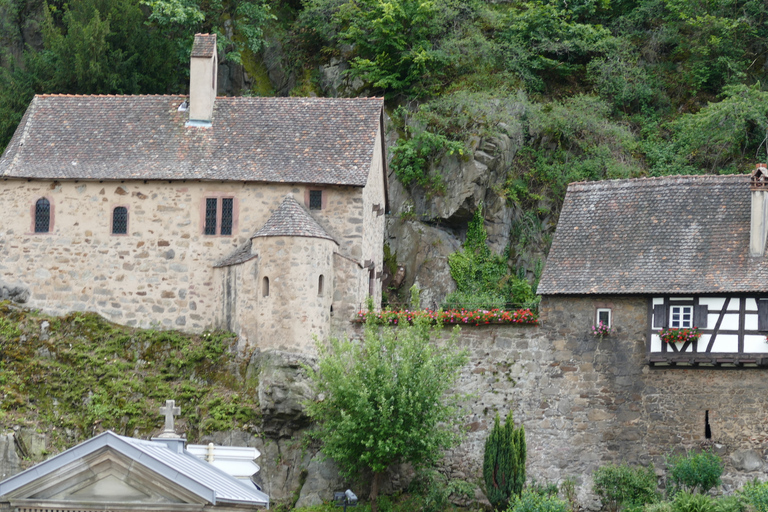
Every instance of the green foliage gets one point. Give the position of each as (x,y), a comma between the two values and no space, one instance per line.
(755,493)
(715,139)
(504,462)
(384,398)
(482,278)
(732,503)
(89,375)
(691,502)
(531,501)
(694,472)
(411,158)
(433,490)
(622,487)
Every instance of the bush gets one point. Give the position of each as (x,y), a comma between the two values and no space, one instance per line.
(756,495)
(531,501)
(689,502)
(692,472)
(623,487)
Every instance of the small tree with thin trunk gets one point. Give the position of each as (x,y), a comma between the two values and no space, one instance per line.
(504,462)
(384,400)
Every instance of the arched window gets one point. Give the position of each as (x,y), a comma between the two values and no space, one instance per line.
(265,287)
(320,286)
(120,220)
(42,215)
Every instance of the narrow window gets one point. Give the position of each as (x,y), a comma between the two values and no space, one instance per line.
(42,215)
(120,220)
(227,204)
(315,199)
(265,287)
(681,316)
(320,286)
(371,282)
(211,204)
(603,316)
(707,428)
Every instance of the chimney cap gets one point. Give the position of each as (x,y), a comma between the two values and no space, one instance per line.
(204,45)
(759,178)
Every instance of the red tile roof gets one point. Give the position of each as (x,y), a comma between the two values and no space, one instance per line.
(677,234)
(326,141)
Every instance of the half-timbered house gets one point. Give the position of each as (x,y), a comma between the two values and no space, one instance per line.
(691,247)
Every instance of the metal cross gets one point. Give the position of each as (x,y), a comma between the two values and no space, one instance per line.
(170,410)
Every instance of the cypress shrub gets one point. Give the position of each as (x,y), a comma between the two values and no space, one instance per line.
(504,462)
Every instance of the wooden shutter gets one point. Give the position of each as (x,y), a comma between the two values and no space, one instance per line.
(659,315)
(762,315)
(700,314)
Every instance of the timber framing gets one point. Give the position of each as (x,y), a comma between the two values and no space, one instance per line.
(733,334)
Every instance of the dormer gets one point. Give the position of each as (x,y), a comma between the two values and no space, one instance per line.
(202,80)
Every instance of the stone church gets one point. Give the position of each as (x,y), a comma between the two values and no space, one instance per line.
(264,216)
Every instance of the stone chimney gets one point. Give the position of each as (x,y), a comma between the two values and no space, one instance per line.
(202,80)
(758,229)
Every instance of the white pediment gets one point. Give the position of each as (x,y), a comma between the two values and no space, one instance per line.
(110,488)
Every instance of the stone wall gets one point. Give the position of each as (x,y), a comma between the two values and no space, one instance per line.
(587,402)
(160,274)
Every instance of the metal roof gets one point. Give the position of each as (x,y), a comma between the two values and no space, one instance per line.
(184,469)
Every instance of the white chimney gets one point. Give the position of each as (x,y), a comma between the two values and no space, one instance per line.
(758,229)
(202,80)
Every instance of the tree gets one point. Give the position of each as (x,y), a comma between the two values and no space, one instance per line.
(384,399)
(504,462)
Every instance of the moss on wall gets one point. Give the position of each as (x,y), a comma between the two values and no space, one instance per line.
(78,375)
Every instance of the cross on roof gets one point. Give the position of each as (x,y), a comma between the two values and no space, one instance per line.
(170,410)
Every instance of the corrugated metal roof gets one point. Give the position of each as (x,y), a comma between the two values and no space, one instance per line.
(184,469)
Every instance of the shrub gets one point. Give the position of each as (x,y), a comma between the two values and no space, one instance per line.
(623,487)
(531,501)
(692,472)
(756,495)
(690,502)
(733,503)
(504,462)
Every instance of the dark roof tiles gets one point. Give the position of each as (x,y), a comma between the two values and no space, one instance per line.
(324,141)
(291,219)
(204,45)
(677,234)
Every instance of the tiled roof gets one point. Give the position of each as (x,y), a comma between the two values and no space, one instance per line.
(291,219)
(327,141)
(239,255)
(677,234)
(204,45)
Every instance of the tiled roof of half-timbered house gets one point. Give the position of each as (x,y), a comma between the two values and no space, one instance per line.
(676,234)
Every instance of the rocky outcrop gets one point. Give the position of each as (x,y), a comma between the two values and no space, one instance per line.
(424,227)
(10,464)
(283,389)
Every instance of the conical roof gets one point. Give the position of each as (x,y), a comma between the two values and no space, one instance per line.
(291,219)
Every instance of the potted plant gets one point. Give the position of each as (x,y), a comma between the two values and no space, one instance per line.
(679,335)
(601,330)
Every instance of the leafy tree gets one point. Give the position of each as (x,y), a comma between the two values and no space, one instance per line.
(384,399)
(504,462)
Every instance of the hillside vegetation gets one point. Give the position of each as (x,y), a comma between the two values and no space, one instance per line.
(79,375)
(599,89)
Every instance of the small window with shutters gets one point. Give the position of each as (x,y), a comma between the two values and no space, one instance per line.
(680,316)
(762,315)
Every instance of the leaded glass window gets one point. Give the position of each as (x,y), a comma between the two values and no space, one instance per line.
(227,204)
(211,205)
(315,199)
(120,220)
(42,215)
